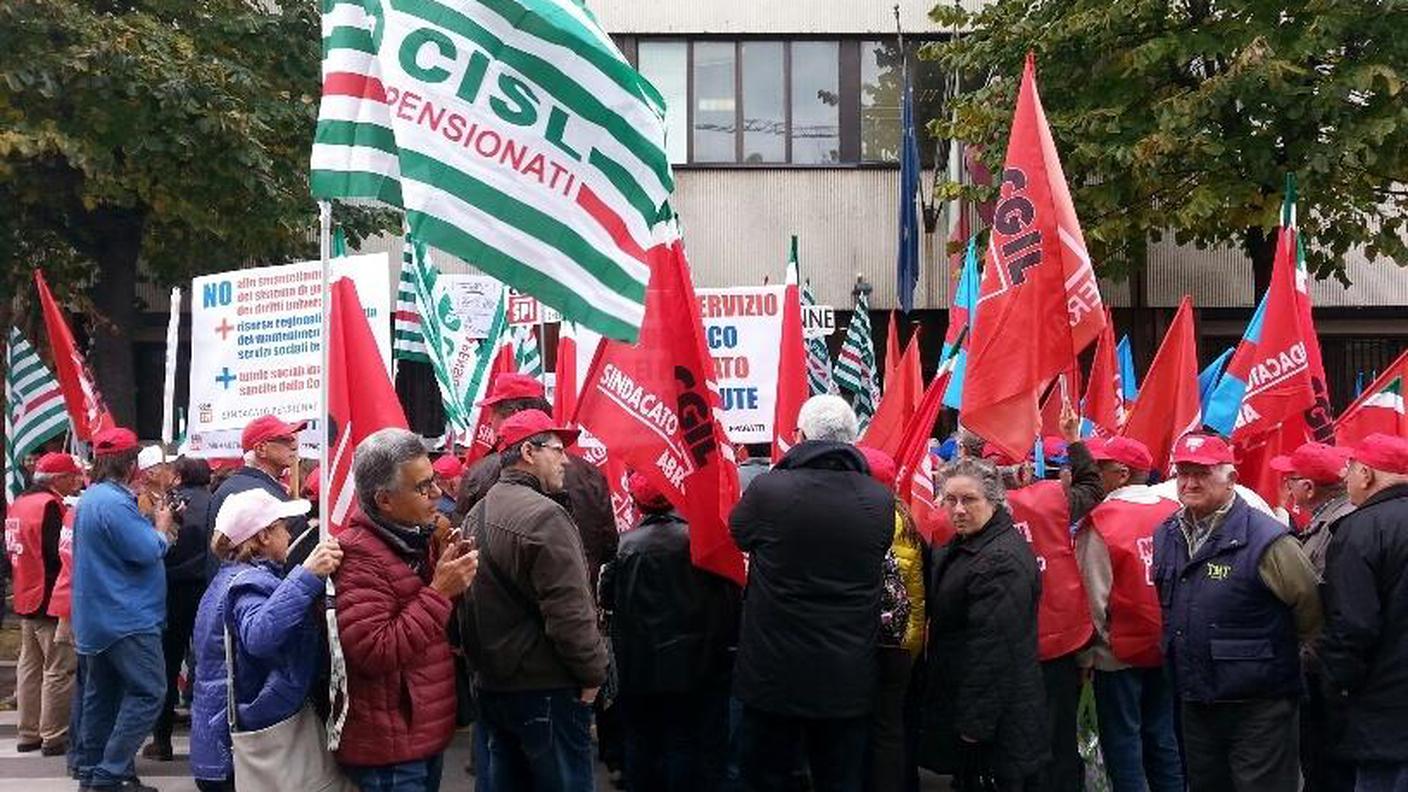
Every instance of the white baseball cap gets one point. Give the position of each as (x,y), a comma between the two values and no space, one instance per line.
(150,456)
(245,514)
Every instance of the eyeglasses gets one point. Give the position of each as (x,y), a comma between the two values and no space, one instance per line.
(427,488)
(559,447)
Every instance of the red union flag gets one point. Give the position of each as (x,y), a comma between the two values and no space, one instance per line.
(1104,403)
(85,404)
(656,405)
(1039,301)
(1169,404)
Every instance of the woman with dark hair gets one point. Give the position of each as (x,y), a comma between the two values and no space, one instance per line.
(189,565)
(985,710)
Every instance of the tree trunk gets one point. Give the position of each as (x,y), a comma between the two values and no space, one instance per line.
(1260,246)
(114,295)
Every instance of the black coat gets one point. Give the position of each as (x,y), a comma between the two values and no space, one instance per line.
(1364,650)
(188,560)
(817,527)
(984,679)
(673,626)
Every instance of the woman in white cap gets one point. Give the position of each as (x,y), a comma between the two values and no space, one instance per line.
(273,624)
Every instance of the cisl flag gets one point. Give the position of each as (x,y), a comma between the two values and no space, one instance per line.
(1039,304)
(361,399)
(656,407)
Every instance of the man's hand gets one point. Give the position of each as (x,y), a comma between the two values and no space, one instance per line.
(1070,423)
(589,695)
(456,570)
(325,558)
(165,520)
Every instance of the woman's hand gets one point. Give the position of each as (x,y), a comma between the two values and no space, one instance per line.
(325,558)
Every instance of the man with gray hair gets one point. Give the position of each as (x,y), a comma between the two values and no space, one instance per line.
(816,527)
(393,607)
(1238,597)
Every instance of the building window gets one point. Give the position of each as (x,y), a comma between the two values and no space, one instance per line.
(816,103)
(715,111)
(666,65)
(800,102)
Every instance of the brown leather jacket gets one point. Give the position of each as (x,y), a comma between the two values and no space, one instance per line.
(529,621)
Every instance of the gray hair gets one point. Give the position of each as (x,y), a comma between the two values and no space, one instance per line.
(980,470)
(1224,473)
(45,478)
(828,417)
(968,442)
(376,466)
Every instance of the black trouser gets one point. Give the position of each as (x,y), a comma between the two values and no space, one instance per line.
(771,745)
(1245,746)
(887,759)
(1065,771)
(182,600)
(1323,773)
(675,741)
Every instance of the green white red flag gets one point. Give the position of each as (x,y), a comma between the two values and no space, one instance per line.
(513,133)
(1379,408)
(445,341)
(1039,300)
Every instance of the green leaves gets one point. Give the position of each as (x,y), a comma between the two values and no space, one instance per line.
(1186,116)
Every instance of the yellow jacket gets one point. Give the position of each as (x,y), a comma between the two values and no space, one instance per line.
(909,554)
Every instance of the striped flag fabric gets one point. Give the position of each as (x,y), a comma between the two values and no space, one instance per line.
(819,376)
(527,356)
(513,133)
(34,409)
(446,344)
(407,340)
(855,366)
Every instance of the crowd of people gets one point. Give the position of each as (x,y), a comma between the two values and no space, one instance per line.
(1229,644)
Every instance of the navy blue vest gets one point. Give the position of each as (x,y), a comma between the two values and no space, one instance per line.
(1227,637)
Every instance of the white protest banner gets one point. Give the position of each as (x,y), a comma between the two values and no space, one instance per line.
(256,339)
(476,297)
(743,326)
(225,444)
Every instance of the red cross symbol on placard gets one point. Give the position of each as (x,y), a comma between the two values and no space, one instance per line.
(224,329)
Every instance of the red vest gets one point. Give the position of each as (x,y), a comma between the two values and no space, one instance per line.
(59,606)
(1135,621)
(1043,514)
(24,542)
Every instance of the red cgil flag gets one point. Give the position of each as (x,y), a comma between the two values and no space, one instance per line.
(1039,303)
(904,391)
(81,397)
(1170,403)
(361,399)
(792,387)
(656,407)
(892,352)
(564,402)
(1104,403)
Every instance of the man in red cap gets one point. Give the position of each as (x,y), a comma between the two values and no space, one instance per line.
(270,449)
(1365,648)
(1314,474)
(673,628)
(119,606)
(585,493)
(1238,597)
(530,623)
(47,663)
(448,472)
(1115,551)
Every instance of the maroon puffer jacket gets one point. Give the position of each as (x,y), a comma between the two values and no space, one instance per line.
(400,677)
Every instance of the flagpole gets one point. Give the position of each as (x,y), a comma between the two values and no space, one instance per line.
(324,422)
(173,339)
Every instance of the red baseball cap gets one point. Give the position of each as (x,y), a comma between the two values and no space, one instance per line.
(522,425)
(512,386)
(1125,450)
(57,464)
(313,484)
(448,466)
(1322,464)
(1054,447)
(997,455)
(882,465)
(1382,452)
(644,492)
(268,427)
(1202,449)
(114,441)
